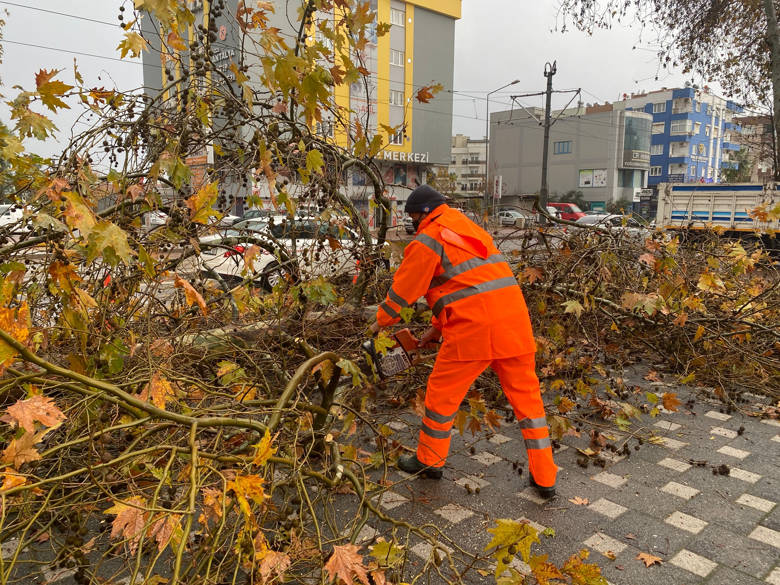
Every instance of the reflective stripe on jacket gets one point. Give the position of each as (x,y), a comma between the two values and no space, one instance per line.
(476,301)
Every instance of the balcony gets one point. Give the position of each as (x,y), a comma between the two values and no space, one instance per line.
(682,106)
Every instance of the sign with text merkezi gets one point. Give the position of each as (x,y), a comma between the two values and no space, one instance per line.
(415,157)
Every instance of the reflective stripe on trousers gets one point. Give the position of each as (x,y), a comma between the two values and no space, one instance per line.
(447,387)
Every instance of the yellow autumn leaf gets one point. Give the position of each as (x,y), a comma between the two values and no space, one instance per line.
(191,295)
(14,321)
(159,390)
(201,204)
(133,43)
(264,451)
(245,488)
(709,282)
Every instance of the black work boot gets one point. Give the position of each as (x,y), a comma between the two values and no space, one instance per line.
(545,492)
(410,464)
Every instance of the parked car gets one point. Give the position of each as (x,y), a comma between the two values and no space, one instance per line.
(317,248)
(615,222)
(255,213)
(512,217)
(569,211)
(11,215)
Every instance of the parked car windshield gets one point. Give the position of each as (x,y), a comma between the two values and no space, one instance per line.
(590,219)
(252,225)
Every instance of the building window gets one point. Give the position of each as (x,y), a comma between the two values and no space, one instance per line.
(702,171)
(659,108)
(681,127)
(397,17)
(396,97)
(706,130)
(397,138)
(658,127)
(655,171)
(396,58)
(656,149)
(563,147)
(697,128)
(717,131)
(692,171)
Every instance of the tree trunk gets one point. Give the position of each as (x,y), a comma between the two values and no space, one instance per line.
(773,37)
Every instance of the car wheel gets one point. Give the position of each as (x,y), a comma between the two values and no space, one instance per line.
(273,275)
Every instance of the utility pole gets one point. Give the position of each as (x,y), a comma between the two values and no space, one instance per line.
(549,71)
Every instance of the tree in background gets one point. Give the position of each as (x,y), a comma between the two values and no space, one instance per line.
(740,169)
(734,42)
(444,182)
(622,206)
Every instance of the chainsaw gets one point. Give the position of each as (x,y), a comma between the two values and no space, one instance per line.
(397,358)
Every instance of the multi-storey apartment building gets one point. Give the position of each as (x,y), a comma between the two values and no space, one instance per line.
(467,165)
(417,51)
(757,138)
(600,151)
(693,133)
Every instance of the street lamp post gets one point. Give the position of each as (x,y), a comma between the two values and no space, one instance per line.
(487,141)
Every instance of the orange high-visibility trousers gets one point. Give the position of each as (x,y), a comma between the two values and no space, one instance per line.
(447,387)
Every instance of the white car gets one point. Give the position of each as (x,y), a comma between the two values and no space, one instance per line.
(616,223)
(12,217)
(512,217)
(304,246)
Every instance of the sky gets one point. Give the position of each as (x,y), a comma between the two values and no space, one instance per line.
(496,41)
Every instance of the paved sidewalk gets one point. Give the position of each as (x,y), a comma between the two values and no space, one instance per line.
(705,501)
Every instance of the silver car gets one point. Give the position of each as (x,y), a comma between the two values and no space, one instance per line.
(616,223)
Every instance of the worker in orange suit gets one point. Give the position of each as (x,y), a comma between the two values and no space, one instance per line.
(481,316)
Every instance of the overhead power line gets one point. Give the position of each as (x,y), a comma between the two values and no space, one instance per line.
(58,50)
(114,24)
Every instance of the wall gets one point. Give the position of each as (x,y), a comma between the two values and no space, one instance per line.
(434,61)
(516,142)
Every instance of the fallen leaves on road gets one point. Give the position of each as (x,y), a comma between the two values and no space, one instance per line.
(648,559)
(346,564)
(578,501)
(670,401)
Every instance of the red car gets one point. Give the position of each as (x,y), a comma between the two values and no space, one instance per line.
(569,211)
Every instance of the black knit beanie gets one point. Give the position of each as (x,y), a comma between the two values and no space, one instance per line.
(424,199)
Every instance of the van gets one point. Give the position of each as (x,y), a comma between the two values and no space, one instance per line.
(568,211)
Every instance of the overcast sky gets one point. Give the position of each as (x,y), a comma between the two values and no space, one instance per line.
(496,41)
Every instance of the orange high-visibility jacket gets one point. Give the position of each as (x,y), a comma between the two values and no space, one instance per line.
(476,301)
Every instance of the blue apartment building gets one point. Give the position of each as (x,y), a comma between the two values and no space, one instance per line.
(693,136)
